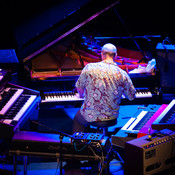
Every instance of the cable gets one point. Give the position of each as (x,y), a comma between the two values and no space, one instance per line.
(81,148)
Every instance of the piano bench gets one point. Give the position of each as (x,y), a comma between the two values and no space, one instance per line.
(104,125)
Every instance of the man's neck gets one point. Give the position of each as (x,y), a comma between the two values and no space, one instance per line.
(108,60)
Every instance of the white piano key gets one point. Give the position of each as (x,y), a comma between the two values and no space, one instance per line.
(130,121)
(25,107)
(7,121)
(62,98)
(140,116)
(11,101)
(143,95)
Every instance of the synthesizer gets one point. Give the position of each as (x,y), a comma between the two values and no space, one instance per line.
(142,123)
(69,96)
(17,105)
(138,126)
(166,119)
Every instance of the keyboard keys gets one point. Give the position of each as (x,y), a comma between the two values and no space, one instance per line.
(143,93)
(9,97)
(61,96)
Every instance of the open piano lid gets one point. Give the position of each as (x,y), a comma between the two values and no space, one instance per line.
(73,15)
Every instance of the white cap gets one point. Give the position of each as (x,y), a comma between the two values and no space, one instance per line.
(109,48)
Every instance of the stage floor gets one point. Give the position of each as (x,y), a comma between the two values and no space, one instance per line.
(60,118)
(50,168)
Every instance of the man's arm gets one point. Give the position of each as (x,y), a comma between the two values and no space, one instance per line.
(129,89)
(81,83)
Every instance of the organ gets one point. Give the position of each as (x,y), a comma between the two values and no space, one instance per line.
(17,105)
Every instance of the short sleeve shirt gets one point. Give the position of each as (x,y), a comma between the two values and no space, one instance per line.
(104,84)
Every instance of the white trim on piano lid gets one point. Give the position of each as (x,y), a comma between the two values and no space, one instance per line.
(69,31)
(25,107)
(11,101)
(164,112)
(133,122)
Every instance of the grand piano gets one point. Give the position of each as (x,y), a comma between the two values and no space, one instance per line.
(55,56)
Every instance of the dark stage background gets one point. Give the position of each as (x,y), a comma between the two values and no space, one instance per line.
(22,20)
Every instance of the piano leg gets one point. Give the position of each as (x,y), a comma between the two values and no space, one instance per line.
(14,164)
(25,164)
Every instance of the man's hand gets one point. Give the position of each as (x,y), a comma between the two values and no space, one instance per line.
(81,92)
(75,90)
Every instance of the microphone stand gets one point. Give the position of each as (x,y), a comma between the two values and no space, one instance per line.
(62,134)
(61,162)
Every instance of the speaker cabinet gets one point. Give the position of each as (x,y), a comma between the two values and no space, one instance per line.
(144,156)
(166,66)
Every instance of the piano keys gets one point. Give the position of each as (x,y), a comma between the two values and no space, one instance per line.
(142,123)
(166,118)
(17,105)
(61,96)
(138,126)
(70,96)
(141,93)
(8,98)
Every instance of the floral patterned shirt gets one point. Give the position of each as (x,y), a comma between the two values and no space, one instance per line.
(104,84)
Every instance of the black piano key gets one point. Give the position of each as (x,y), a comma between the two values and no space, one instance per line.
(16,107)
(143,121)
(169,117)
(6,97)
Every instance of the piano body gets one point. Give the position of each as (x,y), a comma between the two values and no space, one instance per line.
(17,105)
(55,57)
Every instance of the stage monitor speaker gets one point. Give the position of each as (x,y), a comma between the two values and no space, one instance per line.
(166,66)
(151,155)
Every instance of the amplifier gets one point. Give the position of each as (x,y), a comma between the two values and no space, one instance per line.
(150,154)
(166,63)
